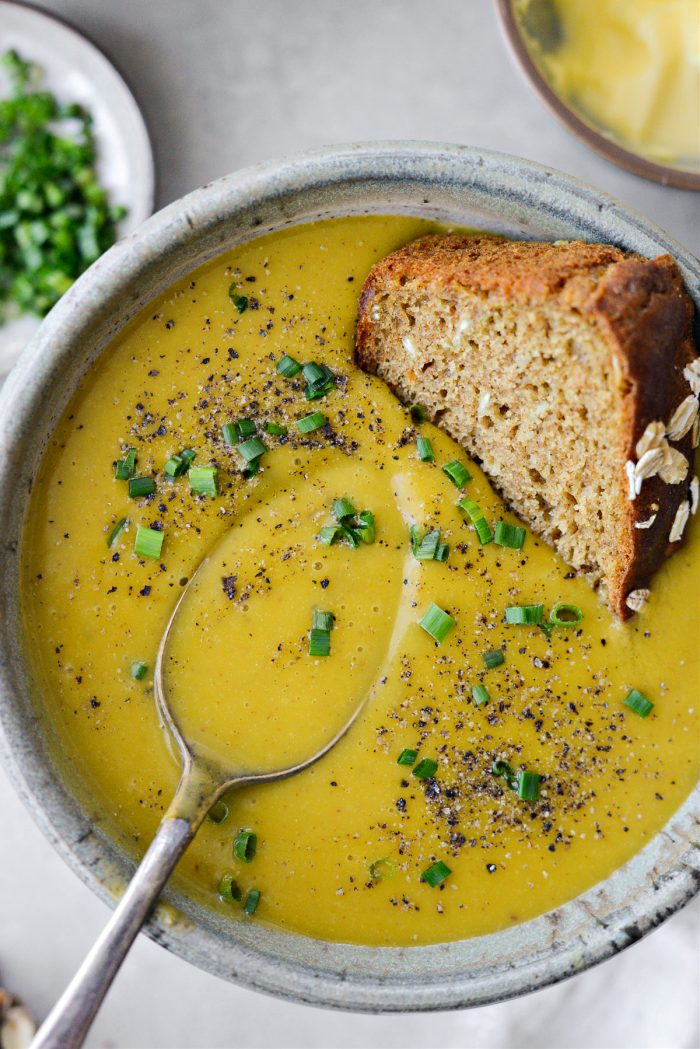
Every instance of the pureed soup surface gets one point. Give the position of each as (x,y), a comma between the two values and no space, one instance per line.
(239,670)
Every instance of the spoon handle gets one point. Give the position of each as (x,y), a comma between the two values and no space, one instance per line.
(69,1021)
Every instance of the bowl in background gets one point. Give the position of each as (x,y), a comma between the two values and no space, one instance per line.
(457,185)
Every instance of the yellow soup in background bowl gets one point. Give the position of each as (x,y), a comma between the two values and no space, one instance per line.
(495,783)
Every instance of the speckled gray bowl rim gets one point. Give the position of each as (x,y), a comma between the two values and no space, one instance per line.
(455,183)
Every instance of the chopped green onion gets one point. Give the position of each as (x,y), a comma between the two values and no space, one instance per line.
(116,531)
(425,450)
(275,429)
(565,615)
(288,367)
(502,768)
(528,786)
(639,703)
(382,869)
(203,480)
(407,757)
(436,874)
(125,468)
(251,901)
(141,486)
(343,508)
(320,380)
(238,300)
(319,643)
(509,535)
(329,534)
(322,620)
(252,449)
(442,552)
(138,670)
(148,542)
(429,548)
(417,413)
(476,516)
(229,432)
(480,694)
(366,527)
(179,464)
(524,615)
(312,422)
(425,769)
(437,623)
(457,473)
(493,658)
(218,813)
(350,535)
(245,845)
(245,427)
(228,889)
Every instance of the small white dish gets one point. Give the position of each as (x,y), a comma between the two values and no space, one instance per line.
(75,70)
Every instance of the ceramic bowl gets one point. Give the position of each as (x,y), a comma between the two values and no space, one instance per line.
(597,138)
(453,183)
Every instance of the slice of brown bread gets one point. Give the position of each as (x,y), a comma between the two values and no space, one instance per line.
(569,370)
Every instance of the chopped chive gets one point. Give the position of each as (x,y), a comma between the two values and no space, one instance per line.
(245,427)
(425,450)
(639,703)
(245,845)
(502,768)
(343,508)
(322,620)
(350,535)
(229,432)
(252,449)
(329,534)
(436,874)
(524,615)
(252,468)
(493,658)
(480,694)
(442,552)
(528,787)
(382,869)
(126,467)
(417,413)
(203,480)
(414,535)
(366,527)
(251,901)
(457,473)
(138,670)
(288,367)
(141,486)
(509,535)
(320,380)
(218,813)
(476,516)
(312,422)
(228,889)
(429,548)
(117,531)
(437,623)
(425,769)
(407,757)
(313,372)
(319,643)
(148,542)
(238,300)
(275,429)
(179,464)
(565,615)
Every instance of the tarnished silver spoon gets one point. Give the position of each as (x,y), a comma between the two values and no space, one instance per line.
(202,782)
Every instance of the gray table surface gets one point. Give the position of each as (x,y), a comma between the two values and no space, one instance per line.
(225,83)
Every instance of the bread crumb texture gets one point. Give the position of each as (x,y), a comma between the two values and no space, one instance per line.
(568,370)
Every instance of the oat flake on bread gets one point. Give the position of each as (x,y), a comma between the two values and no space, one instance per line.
(554,364)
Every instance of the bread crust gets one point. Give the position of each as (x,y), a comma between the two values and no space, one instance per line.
(641,305)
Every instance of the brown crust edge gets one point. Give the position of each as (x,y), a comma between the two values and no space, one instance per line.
(648,315)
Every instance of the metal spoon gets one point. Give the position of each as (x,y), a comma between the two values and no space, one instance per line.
(202,782)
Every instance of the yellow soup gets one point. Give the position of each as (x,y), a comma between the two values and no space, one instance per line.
(341,848)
